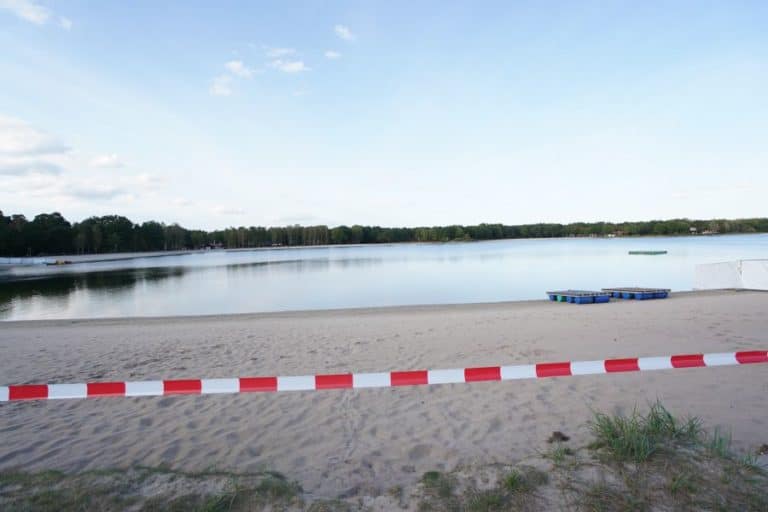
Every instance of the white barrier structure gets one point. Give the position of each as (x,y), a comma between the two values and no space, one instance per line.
(744,274)
(754,274)
(25,261)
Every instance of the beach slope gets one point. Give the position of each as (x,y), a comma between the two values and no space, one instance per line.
(334,442)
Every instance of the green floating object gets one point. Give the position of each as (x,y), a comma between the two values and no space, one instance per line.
(650,253)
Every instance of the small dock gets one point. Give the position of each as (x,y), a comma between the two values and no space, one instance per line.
(632,292)
(579,296)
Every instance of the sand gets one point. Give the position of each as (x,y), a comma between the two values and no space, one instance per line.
(339,442)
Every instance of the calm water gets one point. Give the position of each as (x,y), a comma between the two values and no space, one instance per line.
(359,276)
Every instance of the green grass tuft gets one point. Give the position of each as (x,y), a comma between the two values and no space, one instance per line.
(115,490)
(487,501)
(637,438)
(517,482)
(599,497)
(558,454)
(719,444)
(438,483)
(682,483)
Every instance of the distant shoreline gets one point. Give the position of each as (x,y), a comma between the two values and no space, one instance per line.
(120,256)
(52,234)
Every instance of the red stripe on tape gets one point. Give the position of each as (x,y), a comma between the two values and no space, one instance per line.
(621,365)
(413,378)
(334,381)
(752,357)
(687,361)
(553,369)
(481,374)
(28,392)
(182,387)
(106,388)
(400,378)
(253,384)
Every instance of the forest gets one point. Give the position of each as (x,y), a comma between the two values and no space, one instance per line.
(50,234)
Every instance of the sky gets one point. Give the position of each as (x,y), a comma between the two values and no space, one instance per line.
(391,113)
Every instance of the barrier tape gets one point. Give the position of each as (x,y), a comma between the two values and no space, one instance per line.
(374,380)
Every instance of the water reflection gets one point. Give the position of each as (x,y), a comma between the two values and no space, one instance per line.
(18,292)
(13,293)
(341,277)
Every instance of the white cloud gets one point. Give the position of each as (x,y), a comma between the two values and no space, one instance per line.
(330,54)
(27,10)
(300,218)
(289,66)
(344,32)
(27,167)
(33,12)
(273,53)
(144,180)
(180,201)
(225,210)
(101,188)
(221,86)
(18,138)
(236,67)
(36,165)
(90,191)
(107,161)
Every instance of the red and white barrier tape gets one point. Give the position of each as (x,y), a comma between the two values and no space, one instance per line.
(374,380)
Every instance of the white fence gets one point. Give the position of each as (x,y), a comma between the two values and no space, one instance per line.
(25,261)
(747,274)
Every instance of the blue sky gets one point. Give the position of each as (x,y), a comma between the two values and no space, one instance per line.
(393,113)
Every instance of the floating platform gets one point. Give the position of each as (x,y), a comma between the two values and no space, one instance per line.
(579,296)
(58,262)
(638,293)
(648,253)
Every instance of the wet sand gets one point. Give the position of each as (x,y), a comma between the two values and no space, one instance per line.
(337,442)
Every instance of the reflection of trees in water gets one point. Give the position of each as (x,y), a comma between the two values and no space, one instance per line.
(302,265)
(19,290)
(59,289)
(62,286)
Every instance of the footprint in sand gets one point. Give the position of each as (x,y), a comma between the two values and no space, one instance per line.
(164,402)
(419,452)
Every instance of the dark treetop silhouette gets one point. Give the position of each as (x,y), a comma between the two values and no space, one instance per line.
(51,233)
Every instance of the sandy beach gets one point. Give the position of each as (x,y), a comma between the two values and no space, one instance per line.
(338,442)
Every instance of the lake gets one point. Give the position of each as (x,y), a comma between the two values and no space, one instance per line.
(284,279)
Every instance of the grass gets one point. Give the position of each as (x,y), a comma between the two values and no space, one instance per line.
(644,461)
(682,483)
(438,483)
(559,454)
(514,490)
(719,444)
(600,497)
(108,490)
(329,506)
(655,459)
(485,501)
(636,438)
(517,481)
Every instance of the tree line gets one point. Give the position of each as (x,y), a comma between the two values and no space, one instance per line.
(52,234)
